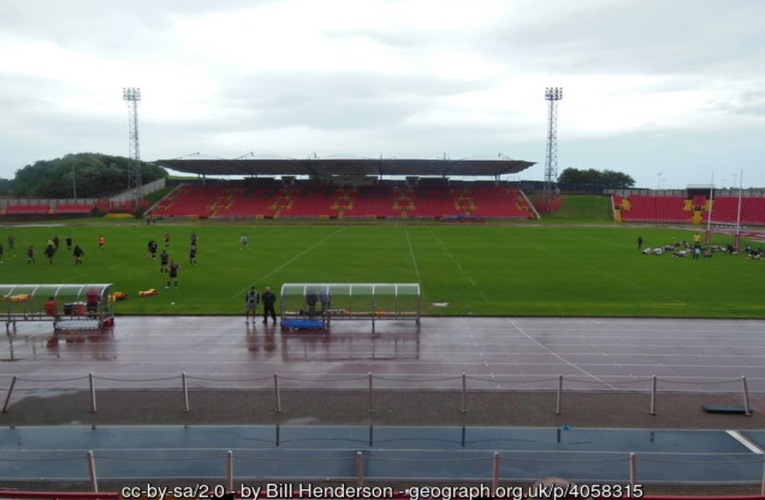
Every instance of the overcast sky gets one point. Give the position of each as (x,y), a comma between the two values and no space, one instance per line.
(669,91)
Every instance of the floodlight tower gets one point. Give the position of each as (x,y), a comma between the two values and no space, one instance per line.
(552,96)
(132,95)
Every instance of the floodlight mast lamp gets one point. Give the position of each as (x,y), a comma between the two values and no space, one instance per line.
(132,95)
(552,96)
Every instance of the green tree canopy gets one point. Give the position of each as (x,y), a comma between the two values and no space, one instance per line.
(608,179)
(6,187)
(94,174)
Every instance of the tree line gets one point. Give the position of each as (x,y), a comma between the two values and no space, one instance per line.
(91,175)
(606,179)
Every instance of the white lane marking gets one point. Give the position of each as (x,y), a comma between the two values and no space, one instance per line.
(293,259)
(746,442)
(569,363)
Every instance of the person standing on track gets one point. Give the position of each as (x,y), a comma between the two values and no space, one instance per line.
(269,299)
(251,301)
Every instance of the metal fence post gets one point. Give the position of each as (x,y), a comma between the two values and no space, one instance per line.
(185,392)
(495,473)
(463,409)
(8,396)
(745,388)
(229,471)
(370,407)
(359,468)
(653,395)
(277,393)
(559,397)
(92,471)
(633,470)
(93,407)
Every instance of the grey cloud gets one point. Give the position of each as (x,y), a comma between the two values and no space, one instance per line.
(405,41)
(86,25)
(334,101)
(124,30)
(751,102)
(704,36)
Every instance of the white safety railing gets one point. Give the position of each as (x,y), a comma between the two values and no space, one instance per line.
(370,384)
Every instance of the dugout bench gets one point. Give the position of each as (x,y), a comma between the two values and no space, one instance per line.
(71,306)
(314,306)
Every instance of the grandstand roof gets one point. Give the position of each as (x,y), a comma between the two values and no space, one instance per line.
(347,166)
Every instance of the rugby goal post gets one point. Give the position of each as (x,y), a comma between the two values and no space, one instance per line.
(316,305)
(67,305)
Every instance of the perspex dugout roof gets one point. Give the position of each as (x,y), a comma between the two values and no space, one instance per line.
(377,301)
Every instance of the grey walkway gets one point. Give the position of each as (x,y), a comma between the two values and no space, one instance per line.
(390,453)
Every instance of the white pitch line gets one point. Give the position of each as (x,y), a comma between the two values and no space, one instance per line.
(572,365)
(746,442)
(411,252)
(293,259)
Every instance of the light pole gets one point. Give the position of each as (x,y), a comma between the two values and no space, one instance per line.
(710,204)
(552,96)
(132,95)
(737,236)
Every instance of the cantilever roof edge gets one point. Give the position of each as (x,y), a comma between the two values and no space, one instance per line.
(348,166)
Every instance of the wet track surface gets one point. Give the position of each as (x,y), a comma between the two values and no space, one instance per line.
(686,355)
(496,353)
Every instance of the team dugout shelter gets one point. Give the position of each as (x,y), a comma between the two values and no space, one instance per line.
(313,306)
(67,305)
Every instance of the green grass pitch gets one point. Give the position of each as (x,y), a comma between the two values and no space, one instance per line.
(514,270)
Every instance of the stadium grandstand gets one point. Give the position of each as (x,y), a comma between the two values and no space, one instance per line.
(691,206)
(27,208)
(45,207)
(347,188)
(469,189)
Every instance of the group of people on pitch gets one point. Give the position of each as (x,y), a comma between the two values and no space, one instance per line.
(51,249)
